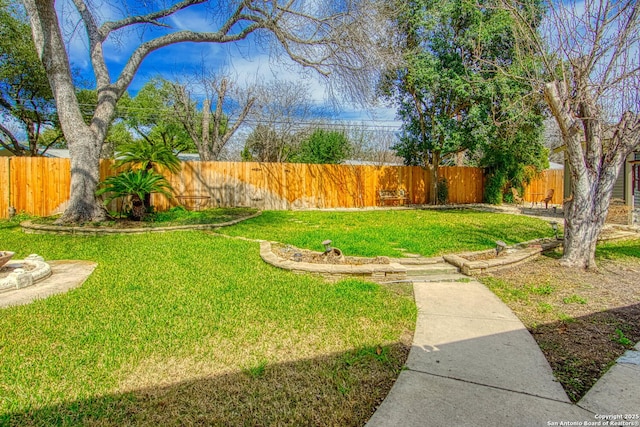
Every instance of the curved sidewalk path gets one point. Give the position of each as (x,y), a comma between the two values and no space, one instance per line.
(473,363)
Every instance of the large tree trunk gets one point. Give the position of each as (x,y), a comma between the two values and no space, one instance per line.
(433,166)
(594,171)
(585,216)
(85,177)
(84,141)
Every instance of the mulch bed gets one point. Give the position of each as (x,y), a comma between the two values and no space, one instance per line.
(332,257)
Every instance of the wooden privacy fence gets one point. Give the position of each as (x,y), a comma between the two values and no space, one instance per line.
(40,186)
(551,179)
(300,186)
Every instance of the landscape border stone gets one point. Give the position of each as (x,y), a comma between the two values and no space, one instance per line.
(513,256)
(30,227)
(379,273)
(524,252)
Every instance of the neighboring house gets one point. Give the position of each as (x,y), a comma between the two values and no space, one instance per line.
(633,167)
(556,166)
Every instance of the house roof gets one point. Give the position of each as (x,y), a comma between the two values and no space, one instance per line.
(557,166)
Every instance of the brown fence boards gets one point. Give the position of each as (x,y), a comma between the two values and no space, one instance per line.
(465,184)
(40,186)
(4,187)
(541,184)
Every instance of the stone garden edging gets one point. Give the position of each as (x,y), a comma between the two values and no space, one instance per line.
(379,273)
(21,278)
(513,256)
(30,227)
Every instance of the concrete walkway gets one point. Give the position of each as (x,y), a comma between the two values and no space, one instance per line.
(473,363)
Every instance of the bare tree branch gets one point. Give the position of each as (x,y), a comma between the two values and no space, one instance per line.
(14,146)
(151,18)
(591,56)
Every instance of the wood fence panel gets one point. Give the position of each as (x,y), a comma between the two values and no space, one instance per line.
(466,184)
(419,185)
(18,185)
(40,186)
(542,183)
(295,183)
(331,186)
(368,178)
(4,187)
(257,178)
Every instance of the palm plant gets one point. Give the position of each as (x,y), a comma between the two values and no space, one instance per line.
(144,155)
(137,184)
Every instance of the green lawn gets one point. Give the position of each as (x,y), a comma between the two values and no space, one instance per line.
(188,327)
(192,328)
(386,232)
(176,216)
(620,250)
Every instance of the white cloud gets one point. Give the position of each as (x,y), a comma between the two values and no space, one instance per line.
(193,20)
(259,67)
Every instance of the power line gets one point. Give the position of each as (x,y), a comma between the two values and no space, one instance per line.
(336,122)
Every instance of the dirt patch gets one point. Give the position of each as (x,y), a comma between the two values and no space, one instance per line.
(484,256)
(332,257)
(582,320)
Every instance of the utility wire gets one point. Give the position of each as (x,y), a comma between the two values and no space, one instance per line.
(331,122)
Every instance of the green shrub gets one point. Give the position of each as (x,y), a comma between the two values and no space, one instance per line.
(137,184)
(494,188)
(442,191)
(323,147)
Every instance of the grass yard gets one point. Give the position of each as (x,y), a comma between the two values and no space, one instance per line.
(176,216)
(392,232)
(190,328)
(582,320)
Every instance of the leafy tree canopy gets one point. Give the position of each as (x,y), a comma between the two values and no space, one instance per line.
(151,115)
(447,90)
(25,95)
(323,147)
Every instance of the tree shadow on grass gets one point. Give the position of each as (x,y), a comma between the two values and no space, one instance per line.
(7,225)
(340,389)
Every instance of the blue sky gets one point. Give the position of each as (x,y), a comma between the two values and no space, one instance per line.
(246,60)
